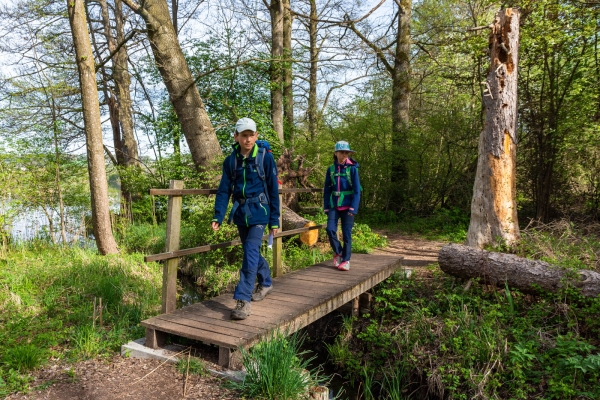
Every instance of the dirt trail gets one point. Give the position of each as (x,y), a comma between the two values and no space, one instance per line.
(416,252)
(124,378)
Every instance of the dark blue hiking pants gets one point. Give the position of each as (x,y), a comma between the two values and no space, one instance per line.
(333,216)
(254,265)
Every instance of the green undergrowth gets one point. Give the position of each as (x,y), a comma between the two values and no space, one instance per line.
(437,337)
(47,292)
(462,344)
(449,225)
(47,306)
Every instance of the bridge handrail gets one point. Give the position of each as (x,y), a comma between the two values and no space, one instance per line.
(172,251)
(214,246)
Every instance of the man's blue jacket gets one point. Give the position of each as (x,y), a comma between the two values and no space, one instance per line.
(247,189)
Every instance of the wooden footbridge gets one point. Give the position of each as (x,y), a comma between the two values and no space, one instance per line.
(297,299)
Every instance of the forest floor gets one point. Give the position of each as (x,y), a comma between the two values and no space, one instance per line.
(128,378)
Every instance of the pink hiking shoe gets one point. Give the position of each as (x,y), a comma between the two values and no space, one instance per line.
(337,259)
(344,266)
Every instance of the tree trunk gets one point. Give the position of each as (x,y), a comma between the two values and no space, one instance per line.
(288,94)
(314,64)
(276,10)
(293,178)
(119,105)
(291,220)
(122,85)
(400,108)
(493,208)
(93,131)
(195,124)
(528,276)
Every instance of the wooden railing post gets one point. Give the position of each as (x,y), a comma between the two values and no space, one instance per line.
(169,288)
(278,244)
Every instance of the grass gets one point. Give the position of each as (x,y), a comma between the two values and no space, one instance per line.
(276,369)
(449,225)
(46,306)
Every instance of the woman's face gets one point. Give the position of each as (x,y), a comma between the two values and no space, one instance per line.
(342,156)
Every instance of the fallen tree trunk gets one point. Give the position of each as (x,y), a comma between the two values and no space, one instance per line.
(291,220)
(528,276)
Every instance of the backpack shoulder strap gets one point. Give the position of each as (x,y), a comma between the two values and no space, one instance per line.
(233,166)
(259,162)
(332,174)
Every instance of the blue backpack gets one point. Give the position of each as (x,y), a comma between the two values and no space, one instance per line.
(259,163)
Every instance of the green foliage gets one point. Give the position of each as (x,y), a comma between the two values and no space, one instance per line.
(495,343)
(195,366)
(47,295)
(23,357)
(276,369)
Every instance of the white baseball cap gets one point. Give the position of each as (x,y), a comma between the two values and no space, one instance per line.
(245,124)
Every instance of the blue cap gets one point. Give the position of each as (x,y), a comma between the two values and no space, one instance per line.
(342,145)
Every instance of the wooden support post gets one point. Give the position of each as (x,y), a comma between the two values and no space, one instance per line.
(154,338)
(169,289)
(278,245)
(365,302)
(230,358)
(355,307)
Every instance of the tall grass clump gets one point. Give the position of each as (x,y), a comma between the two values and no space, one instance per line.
(276,369)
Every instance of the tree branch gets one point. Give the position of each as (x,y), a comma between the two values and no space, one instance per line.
(116,50)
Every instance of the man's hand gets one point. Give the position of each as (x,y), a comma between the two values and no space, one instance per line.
(273,231)
(215,226)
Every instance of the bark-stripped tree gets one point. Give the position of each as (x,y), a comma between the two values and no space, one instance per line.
(93,130)
(494,208)
(195,123)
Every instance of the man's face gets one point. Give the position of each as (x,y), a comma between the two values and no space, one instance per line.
(246,139)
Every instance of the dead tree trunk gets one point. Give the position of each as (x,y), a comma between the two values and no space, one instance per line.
(293,178)
(528,276)
(93,130)
(493,208)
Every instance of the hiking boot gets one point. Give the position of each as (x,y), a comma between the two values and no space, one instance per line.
(337,259)
(344,266)
(241,310)
(261,292)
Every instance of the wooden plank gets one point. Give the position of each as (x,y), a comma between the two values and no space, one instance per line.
(155,339)
(231,330)
(199,334)
(296,301)
(169,288)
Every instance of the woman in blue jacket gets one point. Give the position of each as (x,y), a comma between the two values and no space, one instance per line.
(341,197)
(250,179)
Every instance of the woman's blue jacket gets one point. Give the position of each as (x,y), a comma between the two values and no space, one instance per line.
(342,187)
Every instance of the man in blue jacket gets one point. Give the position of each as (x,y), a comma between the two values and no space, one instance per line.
(250,178)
